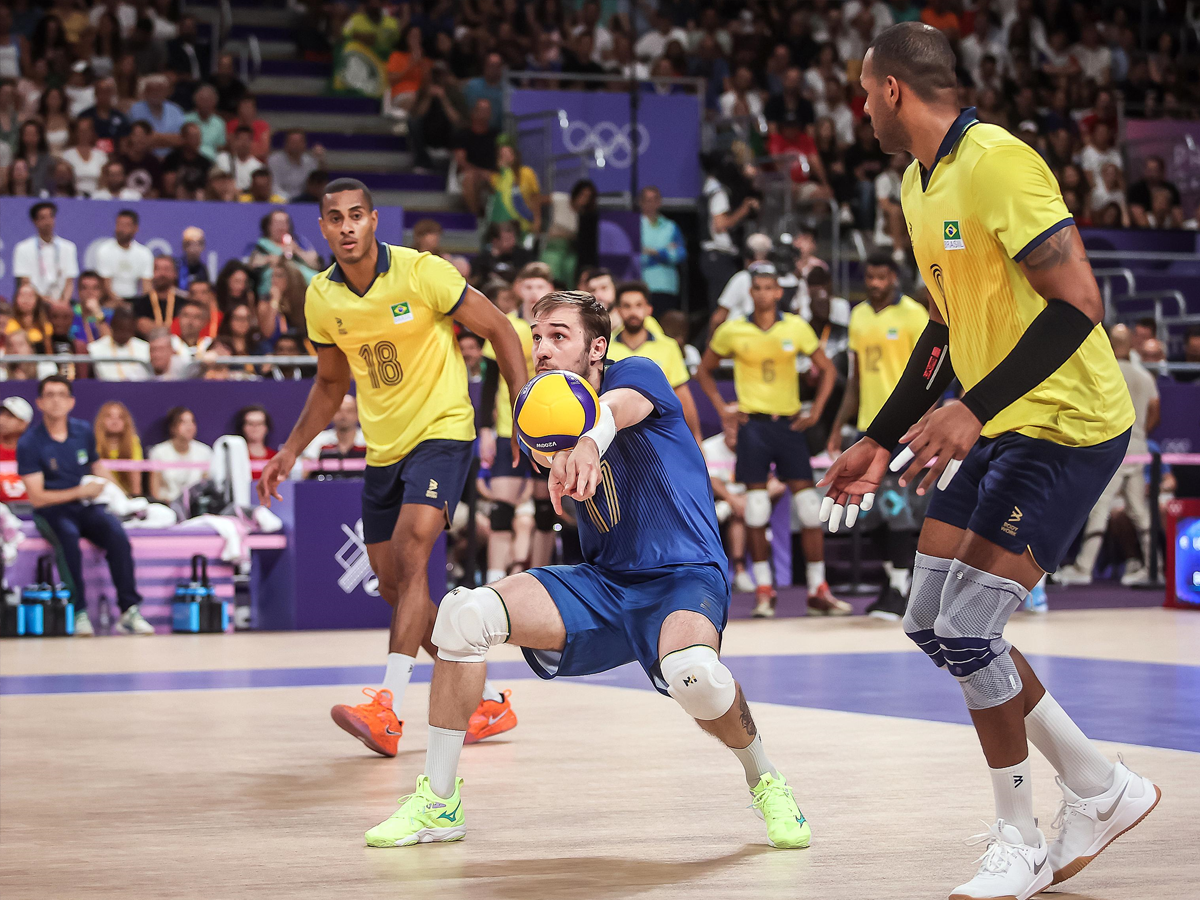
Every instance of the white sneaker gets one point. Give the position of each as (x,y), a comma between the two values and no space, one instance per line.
(83,625)
(1009,869)
(764,608)
(1072,575)
(132,622)
(743,583)
(1087,825)
(1135,574)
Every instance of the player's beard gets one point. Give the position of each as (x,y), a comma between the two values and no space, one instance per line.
(634,330)
(891,133)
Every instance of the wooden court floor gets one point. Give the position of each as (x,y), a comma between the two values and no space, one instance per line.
(208,767)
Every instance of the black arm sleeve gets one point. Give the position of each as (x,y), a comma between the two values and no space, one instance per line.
(487,396)
(1047,343)
(925,379)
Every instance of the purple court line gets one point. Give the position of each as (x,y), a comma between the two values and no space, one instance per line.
(1153,704)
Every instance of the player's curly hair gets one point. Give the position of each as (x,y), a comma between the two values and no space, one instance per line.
(594,317)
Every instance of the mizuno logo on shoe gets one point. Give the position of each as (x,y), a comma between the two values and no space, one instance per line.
(492,720)
(1105,816)
(449,816)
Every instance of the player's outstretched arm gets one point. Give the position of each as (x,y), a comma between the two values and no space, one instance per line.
(330,386)
(576,473)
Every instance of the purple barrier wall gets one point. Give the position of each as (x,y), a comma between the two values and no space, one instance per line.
(230,228)
(1175,275)
(1176,142)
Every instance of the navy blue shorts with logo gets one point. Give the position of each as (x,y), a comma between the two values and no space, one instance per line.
(434,473)
(613,618)
(504,466)
(769,439)
(1028,494)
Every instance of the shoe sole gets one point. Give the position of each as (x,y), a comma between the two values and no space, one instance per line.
(1077,865)
(1036,888)
(883,615)
(499,728)
(425,836)
(815,611)
(355,728)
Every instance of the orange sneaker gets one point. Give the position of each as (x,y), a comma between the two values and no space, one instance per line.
(821,602)
(490,719)
(373,723)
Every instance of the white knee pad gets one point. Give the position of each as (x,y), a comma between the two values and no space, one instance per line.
(758,508)
(469,621)
(808,507)
(724,511)
(699,681)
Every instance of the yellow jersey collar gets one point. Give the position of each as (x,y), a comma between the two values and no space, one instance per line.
(957,129)
(382,263)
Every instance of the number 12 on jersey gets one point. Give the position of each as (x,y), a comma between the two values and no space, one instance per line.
(382,364)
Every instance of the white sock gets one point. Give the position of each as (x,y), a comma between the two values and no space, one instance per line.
(1084,768)
(900,579)
(754,761)
(762,573)
(490,692)
(814,574)
(494,575)
(395,679)
(441,759)
(1013,787)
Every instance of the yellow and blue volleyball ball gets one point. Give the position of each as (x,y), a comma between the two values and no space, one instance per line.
(552,411)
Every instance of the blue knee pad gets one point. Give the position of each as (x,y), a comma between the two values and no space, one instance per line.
(969,628)
(924,604)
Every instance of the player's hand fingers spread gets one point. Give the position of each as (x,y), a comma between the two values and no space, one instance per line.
(934,472)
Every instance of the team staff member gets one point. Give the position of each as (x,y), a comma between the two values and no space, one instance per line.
(382,315)
(53,457)
(770,422)
(883,333)
(636,339)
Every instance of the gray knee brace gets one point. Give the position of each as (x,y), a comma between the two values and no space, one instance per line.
(969,628)
(925,602)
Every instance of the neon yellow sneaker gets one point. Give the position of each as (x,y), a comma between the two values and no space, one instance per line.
(423,817)
(787,829)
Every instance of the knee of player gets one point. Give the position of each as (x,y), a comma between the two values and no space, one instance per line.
(758,508)
(469,622)
(544,517)
(699,682)
(501,516)
(807,504)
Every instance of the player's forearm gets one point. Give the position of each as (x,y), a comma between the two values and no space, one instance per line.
(708,384)
(511,358)
(323,401)
(849,405)
(824,386)
(43,497)
(690,415)
(921,385)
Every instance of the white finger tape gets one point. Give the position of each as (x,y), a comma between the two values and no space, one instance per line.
(826,508)
(868,501)
(949,472)
(902,459)
(835,518)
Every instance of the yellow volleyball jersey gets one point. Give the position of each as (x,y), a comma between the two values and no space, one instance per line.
(399,339)
(988,202)
(882,343)
(663,350)
(764,362)
(504,407)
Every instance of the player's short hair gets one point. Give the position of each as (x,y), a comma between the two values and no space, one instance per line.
(818,277)
(883,258)
(129,214)
(592,274)
(633,287)
(916,54)
(595,319)
(55,379)
(535,270)
(38,207)
(347,184)
(1148,322)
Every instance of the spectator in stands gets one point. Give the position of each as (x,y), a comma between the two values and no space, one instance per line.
(1139,195)
(49,262)
(15,416)
(501,256)
(247,117)
(720,260)
(52,113)
(208,120)
(143,169)
(195,325)
(149,52)
(221,186)
(314,187)
(488,86)
(35,152)
(125,14)
(10,121)
(122,343)
(437,115)
(663,250)
(240,160)
(516,193)
(239,330)
(191,265)
(28,314)
(53,457)
(289,344)
(890,229)
(864,162)
(117,438)
(186,168)
(166,363)
(84,157)
(1110,191)
(157,306)
(169,485)
(1098,153)
(14,49)
(262,189)
(427,237)
(229,87)
(572,236)
(110,123)
(1164,213)
(91,315)
(407,68)
(741,99)
(188,55)
(113,183)
(163,116)
(291,166)
(235,284)
(279,242)
(735,300)
(281,307)
(254,424)
(334,445)
(62,180)
(126,265)
(17,344)
(59,340)
(373,26)
(790,100)
(475,156)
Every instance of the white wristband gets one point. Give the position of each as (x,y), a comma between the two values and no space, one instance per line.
(603,431)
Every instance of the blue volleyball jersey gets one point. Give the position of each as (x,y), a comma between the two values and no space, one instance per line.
(654,504)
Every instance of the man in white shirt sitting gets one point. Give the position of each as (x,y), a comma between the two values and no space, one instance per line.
(126,266)
(49,262)
(122,343)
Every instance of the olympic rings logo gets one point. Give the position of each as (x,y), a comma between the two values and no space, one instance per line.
(610,144)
